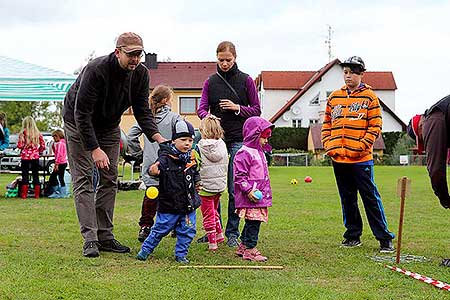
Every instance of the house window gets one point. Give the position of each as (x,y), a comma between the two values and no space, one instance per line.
(313,121)
(315,100)
(297,123)
(189,105)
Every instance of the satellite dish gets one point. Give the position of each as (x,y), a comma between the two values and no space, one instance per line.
(295,110)
(286,117)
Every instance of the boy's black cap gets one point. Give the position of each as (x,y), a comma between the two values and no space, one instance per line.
(354,61)
(182,129)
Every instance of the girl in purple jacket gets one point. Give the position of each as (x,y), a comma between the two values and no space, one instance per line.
(253,194)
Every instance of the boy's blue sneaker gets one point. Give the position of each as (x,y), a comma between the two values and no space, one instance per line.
(182,259)
(142,255)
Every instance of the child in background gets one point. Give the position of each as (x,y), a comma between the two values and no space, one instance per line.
(59,149)
(213,172)
(178,199)
(4,132)
(160,104)
(252,174)
(31,142)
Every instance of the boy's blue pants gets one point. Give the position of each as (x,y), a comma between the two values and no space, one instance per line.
(184,226)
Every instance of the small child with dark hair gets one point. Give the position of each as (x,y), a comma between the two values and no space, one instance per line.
(178,199)
(161,100)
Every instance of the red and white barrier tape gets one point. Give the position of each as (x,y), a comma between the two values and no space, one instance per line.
(439,284)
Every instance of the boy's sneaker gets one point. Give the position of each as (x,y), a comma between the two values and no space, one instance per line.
(113,246)
(90,249)
(386,246)
(253,255)
(348,243)
(142,255)
(203,239)
(240,250)
(143,233)
(232,242)
(445,262)
(181,259)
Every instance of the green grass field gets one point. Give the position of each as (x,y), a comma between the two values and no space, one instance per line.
(40,249)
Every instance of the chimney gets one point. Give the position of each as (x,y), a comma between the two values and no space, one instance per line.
(150,61)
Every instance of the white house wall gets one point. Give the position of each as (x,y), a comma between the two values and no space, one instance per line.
(389,123)
(302,109)
(273,100)
(388,97)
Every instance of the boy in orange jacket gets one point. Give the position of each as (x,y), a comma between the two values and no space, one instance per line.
(351,125)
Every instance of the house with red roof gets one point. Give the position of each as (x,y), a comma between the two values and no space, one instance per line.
(186,79)
(298,98)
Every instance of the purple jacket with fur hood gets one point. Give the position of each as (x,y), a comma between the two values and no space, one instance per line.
(250,166)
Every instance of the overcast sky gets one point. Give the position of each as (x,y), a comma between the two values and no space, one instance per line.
(409,38)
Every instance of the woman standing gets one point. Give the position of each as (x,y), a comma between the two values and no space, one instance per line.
(231,95)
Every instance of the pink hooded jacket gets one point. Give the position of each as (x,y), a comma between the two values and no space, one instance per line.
(60,152)
(250,166)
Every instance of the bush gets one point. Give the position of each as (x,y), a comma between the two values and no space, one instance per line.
(289,137)
(390,140)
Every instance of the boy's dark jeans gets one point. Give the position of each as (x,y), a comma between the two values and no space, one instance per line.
(354,178)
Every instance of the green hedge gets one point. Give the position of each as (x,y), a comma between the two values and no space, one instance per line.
(289,137)
(390,140)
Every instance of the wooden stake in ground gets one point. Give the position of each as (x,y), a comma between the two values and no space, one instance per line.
(403,189)
(233,267)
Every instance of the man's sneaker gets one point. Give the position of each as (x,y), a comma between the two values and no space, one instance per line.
(347,243)
(182,259)
(113,246)
(253,255)
(240,250)
(143,233)
(142,255)
(386,246)
(90,249)
(232,242)
(203,239)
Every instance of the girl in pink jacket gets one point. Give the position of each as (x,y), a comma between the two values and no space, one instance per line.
(60,151)
(253,194)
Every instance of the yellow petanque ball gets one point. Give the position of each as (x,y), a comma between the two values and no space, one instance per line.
(152,192)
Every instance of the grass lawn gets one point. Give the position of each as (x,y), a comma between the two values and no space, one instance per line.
(40,249)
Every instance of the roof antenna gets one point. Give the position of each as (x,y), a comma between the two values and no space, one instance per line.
(328,41)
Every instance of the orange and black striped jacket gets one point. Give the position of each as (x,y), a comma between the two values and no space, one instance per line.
(351,124)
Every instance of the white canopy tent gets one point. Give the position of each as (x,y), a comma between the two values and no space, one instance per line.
(21,81)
